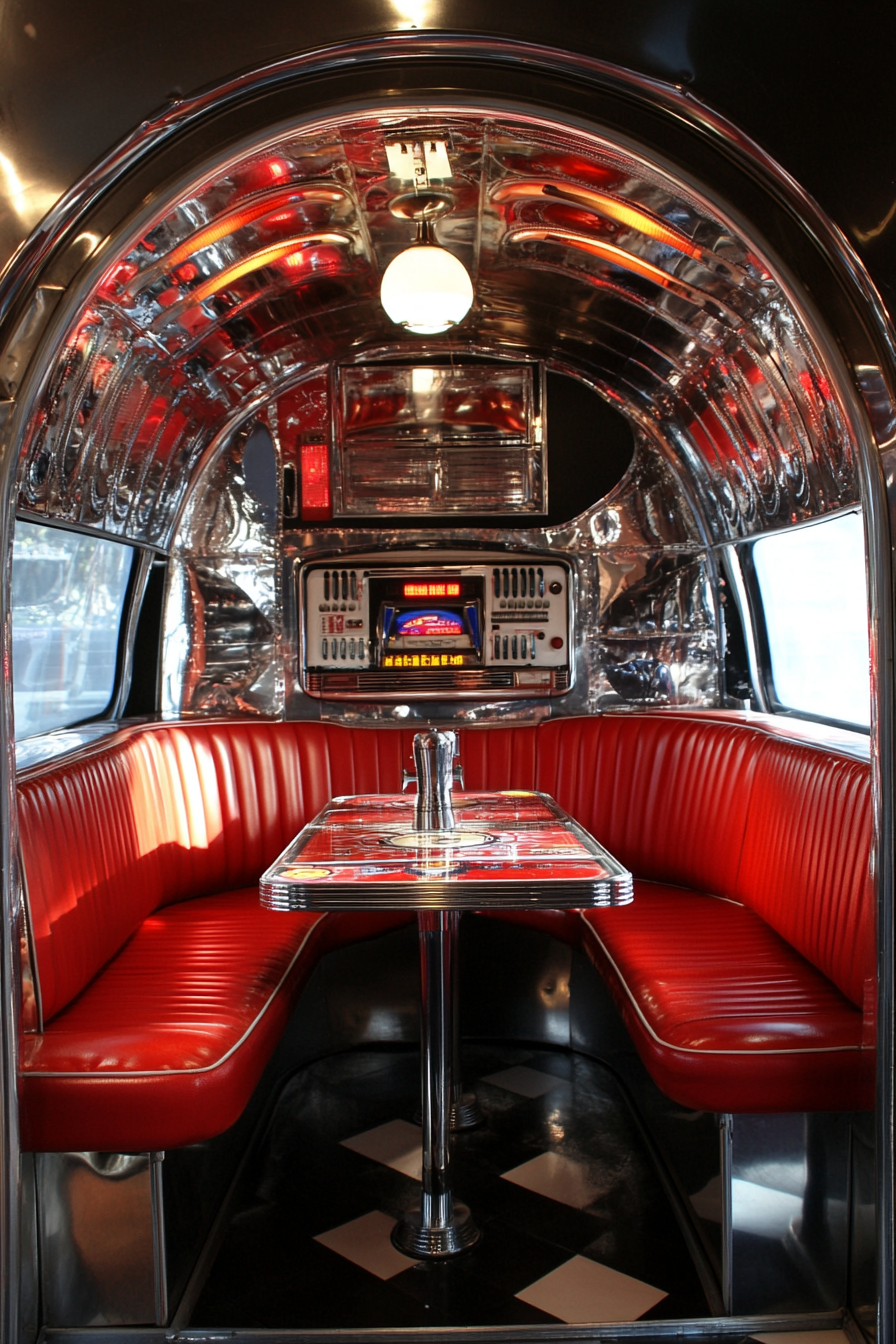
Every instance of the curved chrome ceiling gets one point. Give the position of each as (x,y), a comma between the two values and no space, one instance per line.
(582,251)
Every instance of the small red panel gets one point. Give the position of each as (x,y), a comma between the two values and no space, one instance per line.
(316,499)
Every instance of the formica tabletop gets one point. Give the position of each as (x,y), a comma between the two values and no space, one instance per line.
(509,850)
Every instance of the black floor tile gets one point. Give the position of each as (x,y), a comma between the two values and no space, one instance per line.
(270,1273)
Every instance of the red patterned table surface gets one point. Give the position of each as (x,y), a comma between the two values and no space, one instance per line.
(512,849)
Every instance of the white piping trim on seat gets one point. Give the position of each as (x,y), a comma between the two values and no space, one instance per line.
(99,1074)
(697,1050)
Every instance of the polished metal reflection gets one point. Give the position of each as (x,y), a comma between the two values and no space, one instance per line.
(436,763)
(223,621)
(441,1226)
(791,1200)
(231,293)
(101,1238)
(208,309)
(434,754)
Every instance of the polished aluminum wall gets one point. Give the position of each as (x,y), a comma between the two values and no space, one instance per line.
(265,267)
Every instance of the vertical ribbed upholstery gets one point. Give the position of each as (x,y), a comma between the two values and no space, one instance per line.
(805,867)
(669,797)
(665,794)
(171,812)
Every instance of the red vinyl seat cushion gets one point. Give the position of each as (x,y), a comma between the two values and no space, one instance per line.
(163,985)
(165,1047)
(726,1015)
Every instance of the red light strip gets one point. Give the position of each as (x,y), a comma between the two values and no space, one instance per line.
(603,204)
(623,212)
(263,204)
(431,590)
(266,256)
(619,257)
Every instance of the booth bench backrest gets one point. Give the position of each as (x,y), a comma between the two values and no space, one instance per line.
(164,813)
(719,807)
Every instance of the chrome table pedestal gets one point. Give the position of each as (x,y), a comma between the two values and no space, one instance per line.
(438,855)
(440,1227)
(436,770)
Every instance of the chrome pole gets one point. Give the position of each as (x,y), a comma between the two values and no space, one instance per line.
(440,1227)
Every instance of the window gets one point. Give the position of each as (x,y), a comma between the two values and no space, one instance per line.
(68,595)
(815,602)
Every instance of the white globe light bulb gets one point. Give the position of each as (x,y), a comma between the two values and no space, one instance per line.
(426,289)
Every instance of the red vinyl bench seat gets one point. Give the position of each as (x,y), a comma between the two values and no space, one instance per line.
(163,986)
(744,969)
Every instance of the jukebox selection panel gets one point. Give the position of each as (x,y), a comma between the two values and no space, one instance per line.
(500,626)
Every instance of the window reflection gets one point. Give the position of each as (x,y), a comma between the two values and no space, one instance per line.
(815,602)
(68,593)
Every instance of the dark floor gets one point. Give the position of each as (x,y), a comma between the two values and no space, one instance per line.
(303,1183)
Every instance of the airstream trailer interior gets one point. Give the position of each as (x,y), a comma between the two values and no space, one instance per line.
(349,414)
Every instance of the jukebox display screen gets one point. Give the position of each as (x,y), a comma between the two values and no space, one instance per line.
(427,623)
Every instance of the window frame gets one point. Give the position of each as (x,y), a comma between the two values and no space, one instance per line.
(761,644)
(142,558)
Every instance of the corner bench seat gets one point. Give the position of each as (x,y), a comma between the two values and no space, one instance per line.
(163,987)
(744,968)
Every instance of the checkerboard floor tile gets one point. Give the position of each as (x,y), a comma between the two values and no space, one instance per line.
(574,1218)
(526,1082)
(556,1177)
(367,1241)
(396,1144)
(805,1337)
(581,1291)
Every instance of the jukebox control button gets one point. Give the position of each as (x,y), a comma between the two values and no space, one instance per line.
(557,642)
(555,588)
(360,648)
(541,634)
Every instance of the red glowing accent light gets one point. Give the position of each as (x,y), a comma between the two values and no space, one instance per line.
(119,276)
(602,203)
(431,590)
(187,272)
(267,256)
(316,501)
(237,219)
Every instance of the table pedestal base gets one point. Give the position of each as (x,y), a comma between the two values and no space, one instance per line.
(466,1112)
(425,1241)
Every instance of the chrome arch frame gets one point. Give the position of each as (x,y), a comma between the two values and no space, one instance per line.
(873,430)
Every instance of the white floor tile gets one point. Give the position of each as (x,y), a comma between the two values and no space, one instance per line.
(526,1082)
(581,1292)
(367,1242)
(805,1337)
(397,1144)
(557,1177)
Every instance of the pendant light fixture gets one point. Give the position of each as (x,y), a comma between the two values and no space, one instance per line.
(426,288)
